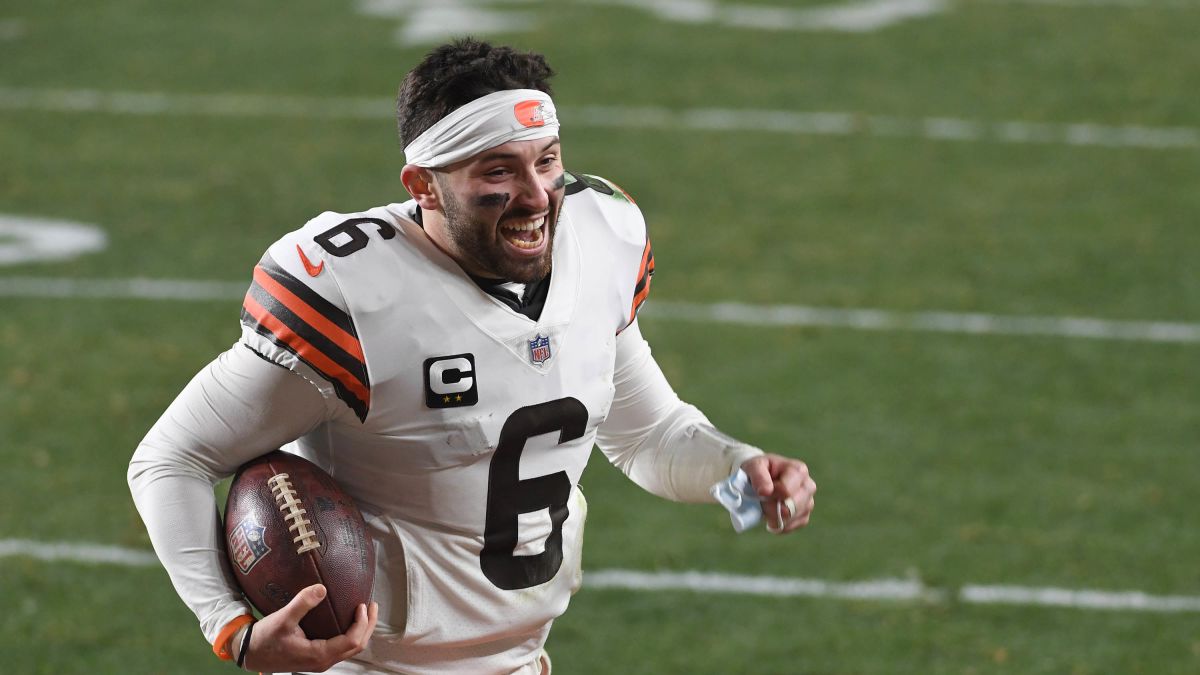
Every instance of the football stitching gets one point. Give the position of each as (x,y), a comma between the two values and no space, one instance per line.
(293,511)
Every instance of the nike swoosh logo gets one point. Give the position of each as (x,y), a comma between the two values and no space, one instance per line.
(313,270)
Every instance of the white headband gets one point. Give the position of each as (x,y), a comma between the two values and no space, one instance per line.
(495,119)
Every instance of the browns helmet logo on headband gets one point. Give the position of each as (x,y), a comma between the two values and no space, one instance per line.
(531,113)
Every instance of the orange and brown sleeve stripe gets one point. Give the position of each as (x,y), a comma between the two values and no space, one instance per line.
(642,290)
(293,316)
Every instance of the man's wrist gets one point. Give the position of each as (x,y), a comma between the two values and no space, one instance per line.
(743,454)
(243,644)
(224,643)
(235,643)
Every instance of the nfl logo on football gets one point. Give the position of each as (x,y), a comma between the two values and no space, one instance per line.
(539,349)
(246,545)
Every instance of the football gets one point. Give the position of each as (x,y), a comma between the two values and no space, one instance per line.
(288,526)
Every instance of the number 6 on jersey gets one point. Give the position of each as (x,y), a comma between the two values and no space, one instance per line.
(509,496)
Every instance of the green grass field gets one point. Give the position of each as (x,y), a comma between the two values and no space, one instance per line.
(949,458)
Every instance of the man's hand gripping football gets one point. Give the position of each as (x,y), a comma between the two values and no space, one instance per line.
(278,644)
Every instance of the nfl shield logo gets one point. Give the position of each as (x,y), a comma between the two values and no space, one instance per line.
(246,545)
(539,349)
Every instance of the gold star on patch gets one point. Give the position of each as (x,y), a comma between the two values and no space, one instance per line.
(445,399)
(458,397)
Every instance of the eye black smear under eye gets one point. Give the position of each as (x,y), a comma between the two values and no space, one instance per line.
(560,182)
(494,199)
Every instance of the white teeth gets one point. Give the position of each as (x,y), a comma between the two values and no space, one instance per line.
(516,233)
(525,227)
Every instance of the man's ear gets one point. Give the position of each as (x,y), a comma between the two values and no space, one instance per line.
(419,183)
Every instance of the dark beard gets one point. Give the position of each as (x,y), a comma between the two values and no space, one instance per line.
(476,242)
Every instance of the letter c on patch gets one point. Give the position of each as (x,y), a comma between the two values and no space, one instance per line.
(450,381)
(450,376)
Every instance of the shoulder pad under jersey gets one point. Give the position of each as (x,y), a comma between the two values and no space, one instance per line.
(612,206)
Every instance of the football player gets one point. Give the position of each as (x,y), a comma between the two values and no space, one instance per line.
(451,361)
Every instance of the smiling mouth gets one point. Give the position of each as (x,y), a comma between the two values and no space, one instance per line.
(526,235)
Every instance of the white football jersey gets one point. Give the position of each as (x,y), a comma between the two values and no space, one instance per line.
(460,426)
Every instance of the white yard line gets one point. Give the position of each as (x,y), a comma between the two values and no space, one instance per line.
(203,105)
(711,582)
(790,122)
(430,21)
(66,551)
(891,590)
(851,124)
(1129,601)
(122,289)
(852,16)
(1092,4)
(940,322)
(721,312)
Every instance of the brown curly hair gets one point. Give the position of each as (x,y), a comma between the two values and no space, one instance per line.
(459,72)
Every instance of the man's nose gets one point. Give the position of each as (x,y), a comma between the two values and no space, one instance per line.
(534,192)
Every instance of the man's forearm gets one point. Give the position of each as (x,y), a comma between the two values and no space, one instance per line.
(663,444)
(236,408)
